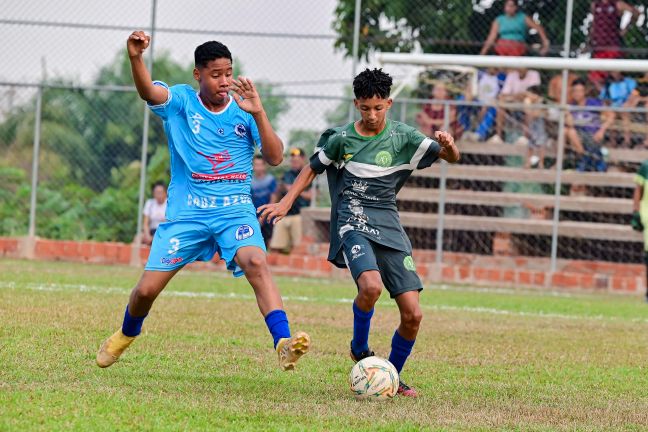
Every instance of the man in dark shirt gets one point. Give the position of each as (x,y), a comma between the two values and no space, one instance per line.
(287,232)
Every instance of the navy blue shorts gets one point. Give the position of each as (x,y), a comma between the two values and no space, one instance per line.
(397,269)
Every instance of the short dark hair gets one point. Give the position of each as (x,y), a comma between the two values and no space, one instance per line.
(370,83)
(209,51)
(579,81)
(158,183)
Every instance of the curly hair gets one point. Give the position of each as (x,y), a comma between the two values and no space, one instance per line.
(370,83)
(209,51)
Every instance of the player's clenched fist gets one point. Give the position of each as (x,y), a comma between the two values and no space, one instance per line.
(449,150)
(137,42)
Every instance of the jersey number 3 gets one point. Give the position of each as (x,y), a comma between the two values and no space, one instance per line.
(195,120)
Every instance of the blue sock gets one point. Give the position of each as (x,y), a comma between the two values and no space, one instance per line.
(361,324)
(132,326)
(277,323)
(401,349)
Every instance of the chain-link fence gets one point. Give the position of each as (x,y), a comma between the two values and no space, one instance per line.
(499,200)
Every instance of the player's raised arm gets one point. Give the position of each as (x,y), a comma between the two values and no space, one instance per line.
(248,99)
(276,212)
(136,44)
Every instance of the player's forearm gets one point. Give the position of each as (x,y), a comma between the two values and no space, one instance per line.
(636,198)
(272,144)
(303,180)
(151,93)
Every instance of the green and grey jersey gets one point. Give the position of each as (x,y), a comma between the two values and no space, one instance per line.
(364,175)
(641,179)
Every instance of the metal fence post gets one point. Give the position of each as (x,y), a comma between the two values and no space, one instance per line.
(355,48)
(561,138)
(135,259)
(27,248)
(442,195)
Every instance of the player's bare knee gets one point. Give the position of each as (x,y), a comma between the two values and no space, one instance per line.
(370,288)
(411,319)
(146,291)
(254,263)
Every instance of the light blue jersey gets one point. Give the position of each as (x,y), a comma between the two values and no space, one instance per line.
(211,154)
(209,205)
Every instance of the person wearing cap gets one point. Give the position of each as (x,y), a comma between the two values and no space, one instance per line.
(288,232)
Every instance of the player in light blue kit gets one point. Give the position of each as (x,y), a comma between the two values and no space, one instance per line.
(212,137)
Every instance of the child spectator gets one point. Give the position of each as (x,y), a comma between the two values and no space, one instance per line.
(535,130)
(616,92)
(488,87)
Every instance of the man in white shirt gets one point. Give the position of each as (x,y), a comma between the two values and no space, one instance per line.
(154,211)
(514,90)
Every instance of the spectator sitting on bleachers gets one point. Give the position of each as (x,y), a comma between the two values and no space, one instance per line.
(535,128)
(640,97)
(586,129)
(488,87)
(509,32)
(514,90)
(432,117)
(262,187)
(606,33)
(617,91)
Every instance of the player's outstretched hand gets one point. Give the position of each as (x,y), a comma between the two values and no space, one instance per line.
(635,222)
(272,212)
(449,151)
(246,96)
(137,43)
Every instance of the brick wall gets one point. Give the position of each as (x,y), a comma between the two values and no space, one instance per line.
(309,259)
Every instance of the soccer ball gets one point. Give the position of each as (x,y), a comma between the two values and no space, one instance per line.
(374,378)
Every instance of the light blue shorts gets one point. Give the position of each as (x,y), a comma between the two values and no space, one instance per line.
(177,243)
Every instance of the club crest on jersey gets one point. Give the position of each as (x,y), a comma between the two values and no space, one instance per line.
(243,232)
(240,130)
(221,131)
(383,159)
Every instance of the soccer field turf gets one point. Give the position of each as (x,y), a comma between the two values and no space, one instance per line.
(484,359)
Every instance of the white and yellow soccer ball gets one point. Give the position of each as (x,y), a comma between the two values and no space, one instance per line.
(374,378)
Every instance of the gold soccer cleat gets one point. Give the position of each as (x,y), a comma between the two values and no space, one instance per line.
(112,348)
(291,349)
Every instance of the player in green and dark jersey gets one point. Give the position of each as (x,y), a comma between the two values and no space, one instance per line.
(640,206)
(367,162)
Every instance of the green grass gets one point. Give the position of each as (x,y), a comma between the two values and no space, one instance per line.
(484,359)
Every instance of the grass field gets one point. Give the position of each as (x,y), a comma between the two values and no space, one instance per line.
(485,359)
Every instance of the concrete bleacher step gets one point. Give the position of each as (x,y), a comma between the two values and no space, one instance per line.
(514,174)
(506,199)
(572,229)
(482,148)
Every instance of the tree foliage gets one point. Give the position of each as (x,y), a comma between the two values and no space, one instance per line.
(456,26)
(90,155)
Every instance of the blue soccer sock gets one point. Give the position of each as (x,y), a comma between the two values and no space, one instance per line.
(401,349)
(361,324)
(277,323)
(132,326)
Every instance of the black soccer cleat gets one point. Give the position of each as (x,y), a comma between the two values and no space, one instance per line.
(360,356)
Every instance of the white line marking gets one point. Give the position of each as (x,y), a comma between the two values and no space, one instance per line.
(55,287)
